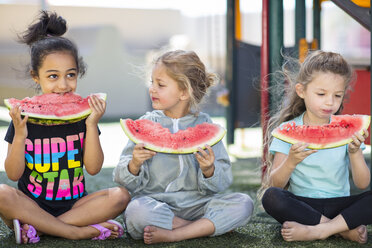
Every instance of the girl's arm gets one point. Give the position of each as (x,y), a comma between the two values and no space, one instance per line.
(215,169)
(15,159)
(132,170)
(206,161)
(281,170)
(123,174)
(92,153)
(215,173)
(359,169)
(139,156)
(284,165)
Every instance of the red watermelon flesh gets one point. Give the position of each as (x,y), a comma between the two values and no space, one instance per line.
(160,139)
(337,133)
(52,109)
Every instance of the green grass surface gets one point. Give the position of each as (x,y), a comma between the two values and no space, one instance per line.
(261,231)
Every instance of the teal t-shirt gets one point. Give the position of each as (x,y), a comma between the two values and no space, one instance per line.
(324,174)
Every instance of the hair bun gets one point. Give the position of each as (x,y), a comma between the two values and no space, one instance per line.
(212,79)
(48,24)
(55,25)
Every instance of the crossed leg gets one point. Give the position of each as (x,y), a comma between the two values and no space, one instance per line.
(97,207)
(184,230)
(293,231)
(284,206)
(227,211)
(21,207)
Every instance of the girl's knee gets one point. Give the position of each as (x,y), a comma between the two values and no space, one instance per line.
(271,196)
(137,217)
(121,196)
(145,211)
(248,206)
(245,207)
(136,214)
(273,200)
(7,193)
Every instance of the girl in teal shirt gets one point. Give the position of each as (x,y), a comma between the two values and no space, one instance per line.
(308,191)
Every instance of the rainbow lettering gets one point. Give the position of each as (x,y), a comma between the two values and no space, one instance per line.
(44,158)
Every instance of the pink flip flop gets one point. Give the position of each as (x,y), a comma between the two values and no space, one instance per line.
(120,227)
(31,233)
(105,232)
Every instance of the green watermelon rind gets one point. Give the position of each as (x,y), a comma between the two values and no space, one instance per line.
(57,120)
(365,125)
(53,122)
(218,137)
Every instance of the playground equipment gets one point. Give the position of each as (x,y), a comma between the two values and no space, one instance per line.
(270,58)
(242,76)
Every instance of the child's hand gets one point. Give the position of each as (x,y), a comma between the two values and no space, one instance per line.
(358,139)
(297,153)
(140,155)
(206,160)
(98,107)
(20,127)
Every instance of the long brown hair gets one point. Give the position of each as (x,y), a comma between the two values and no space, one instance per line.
(293,72)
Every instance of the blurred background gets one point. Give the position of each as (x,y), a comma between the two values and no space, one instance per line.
(118,40)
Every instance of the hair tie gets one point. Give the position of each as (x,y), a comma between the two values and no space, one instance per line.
(49,35)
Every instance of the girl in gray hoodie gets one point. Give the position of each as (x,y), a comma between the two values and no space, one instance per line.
(175,197)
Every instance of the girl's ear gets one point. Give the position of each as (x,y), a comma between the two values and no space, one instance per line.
(300,90)
(34,76)
(185,95)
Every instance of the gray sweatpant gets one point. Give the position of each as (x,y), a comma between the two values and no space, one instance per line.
(226,211)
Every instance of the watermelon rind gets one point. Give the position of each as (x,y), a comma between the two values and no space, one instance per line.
(216,138)
(47,122)
(366,119)
(57,120)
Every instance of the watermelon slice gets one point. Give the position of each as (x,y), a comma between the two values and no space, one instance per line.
(337,133)
(54,109)
(160,139)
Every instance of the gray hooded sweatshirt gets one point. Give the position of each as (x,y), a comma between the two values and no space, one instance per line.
(171,178)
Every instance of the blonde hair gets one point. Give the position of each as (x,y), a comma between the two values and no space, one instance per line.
(186,68)
(292,106)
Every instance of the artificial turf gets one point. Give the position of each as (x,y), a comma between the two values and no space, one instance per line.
(261,231)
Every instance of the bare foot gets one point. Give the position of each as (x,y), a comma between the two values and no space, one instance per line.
(293,231)
(179,222)
(358,234)
(153,235)
(24,237)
